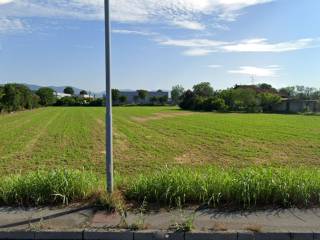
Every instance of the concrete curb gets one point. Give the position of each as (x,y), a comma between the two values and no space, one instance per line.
(154,235)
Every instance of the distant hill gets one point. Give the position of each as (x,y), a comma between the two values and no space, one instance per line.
(60,89)
(57,89)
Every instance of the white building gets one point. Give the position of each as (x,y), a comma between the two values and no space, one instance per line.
(62,95)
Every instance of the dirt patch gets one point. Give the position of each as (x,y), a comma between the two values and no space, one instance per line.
(100,122)
(158,116)
(193,158)
(120,140)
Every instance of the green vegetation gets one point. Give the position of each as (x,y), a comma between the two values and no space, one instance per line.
(15,97)
(176,94)
(18,97)
(47,96)
(246,188)
(277,156)
(69,90)
(255,98)
(244,98)
(53,187)
(148,138)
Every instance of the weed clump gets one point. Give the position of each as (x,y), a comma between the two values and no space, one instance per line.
(244,188)
(47,187)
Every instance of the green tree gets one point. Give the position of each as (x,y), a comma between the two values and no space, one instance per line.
(265,86)
(46,96)
(203,89)
(69,90)
(288,92)
(1,100)
(142,94)
(214,104)
(227,96)
(176,93)
(11,98)
(163,100)
(67,101)
(268,100)
(153,100)
(123,99)
(83,92)
(115,95)
(187,100)
(26,99)
(245,100)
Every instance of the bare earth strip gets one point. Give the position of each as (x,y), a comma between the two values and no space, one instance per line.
(159,116)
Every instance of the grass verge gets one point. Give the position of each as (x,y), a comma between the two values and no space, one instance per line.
(243,188)
(47,187)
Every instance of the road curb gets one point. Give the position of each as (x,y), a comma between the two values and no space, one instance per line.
(154,235)
(48,235)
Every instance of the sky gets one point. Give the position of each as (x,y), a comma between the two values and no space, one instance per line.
(158,44)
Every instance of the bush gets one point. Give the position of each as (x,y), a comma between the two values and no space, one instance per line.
(66,101)
(190,101)
(15,97)
(245,99)
(46,96)
(214,104)
(187,100)
(268,100)
(97,102)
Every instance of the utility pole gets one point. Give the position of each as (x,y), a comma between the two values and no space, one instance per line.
(109,159)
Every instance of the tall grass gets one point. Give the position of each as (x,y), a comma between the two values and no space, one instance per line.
(47,187)
(240,188)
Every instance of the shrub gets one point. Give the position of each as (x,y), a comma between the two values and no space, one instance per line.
(187,100)
(203,89)
(46,96)
(17,97)
(214,104)
(268,100)
(97,102)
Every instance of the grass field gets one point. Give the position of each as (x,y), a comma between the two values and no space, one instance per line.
(147,138)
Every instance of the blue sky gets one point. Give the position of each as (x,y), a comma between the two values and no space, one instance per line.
(158,44)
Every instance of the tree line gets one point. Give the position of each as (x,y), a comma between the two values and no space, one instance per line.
(139,99)
(242,98)
(17,97)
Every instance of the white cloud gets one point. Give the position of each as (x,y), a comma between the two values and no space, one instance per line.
(201,47)
(215,66)
(187,14)
(11,25)
(262,45)
(128,32)
(191,43)
(192,25)
(197,52)
(268,71)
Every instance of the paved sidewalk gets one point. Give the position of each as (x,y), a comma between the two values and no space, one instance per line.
(78,218)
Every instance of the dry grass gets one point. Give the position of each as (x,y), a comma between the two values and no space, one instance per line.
(254,228)
(159,116)
(219,227)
